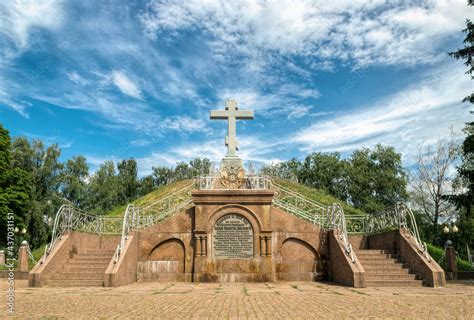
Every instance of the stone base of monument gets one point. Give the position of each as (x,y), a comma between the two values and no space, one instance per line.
(236,235)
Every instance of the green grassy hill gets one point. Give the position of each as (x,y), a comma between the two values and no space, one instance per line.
(318,195)
(311,193)
(155,195)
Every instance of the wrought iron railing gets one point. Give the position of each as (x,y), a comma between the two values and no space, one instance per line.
(300,205)
(399,216)
(70,218)
(338,220)
(140,217)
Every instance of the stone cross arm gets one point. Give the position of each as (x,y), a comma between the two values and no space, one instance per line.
(231,113)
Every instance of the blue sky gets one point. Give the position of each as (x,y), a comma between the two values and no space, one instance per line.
(120,79)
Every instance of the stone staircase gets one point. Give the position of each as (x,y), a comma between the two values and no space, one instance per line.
(383,269)
(83,269)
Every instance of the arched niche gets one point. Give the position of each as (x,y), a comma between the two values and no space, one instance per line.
(168,256)
(298,256)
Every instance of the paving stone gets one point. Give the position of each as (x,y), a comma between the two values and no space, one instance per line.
(295,300)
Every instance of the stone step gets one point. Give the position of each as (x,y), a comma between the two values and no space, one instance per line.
(377,256)
(384,268)
(376,260)
(380,263)
(76,283)
(389,276)
(82,271)
(74,262)
(373,252)
(82,267)
(387,271)
(78,276)
(393,283)
(95,252)
(88,259)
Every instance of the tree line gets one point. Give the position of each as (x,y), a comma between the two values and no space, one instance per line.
(34,183)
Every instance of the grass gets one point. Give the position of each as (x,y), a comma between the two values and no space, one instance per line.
(318,195)
(155,195)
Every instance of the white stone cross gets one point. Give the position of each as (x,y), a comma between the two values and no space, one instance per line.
(231,113)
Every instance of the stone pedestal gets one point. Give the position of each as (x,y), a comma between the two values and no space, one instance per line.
(452,267)
(23,257)
(233,235)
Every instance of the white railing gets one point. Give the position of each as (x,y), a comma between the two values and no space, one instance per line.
(399,216)
(129,222)
(300,205)
(70,218)
(339,226)
(140,217)
(30,254)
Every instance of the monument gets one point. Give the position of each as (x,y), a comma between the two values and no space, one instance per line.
(232,227)
(232,168)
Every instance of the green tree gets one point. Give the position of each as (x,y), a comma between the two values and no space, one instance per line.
(376,179)
(199,166)
(73,180)
(162,175)
(464,200)
(104,189)
(128,180)
(14,188)
(325,171)
(466,169)
(182,171)
(146,185)
(431,182)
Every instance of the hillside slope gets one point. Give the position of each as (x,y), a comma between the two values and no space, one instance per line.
(311,193)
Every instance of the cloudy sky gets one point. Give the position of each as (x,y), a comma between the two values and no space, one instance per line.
(119,79)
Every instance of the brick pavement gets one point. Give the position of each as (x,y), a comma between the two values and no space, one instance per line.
(243,300)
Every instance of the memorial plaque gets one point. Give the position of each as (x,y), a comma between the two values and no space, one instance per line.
(232,238)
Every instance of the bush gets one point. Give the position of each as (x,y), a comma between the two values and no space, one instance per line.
(437,254)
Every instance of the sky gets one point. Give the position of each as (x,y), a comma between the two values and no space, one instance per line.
(117,79)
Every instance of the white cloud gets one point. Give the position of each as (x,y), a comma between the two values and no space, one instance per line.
(19,17)
(287,101)
(76,78)
(183,124)
(421,113)
(125,85)
(367,33)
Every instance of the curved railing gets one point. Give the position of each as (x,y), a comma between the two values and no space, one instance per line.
(70,218)
(399,216)
(140,217)
(300,205)
(338,220)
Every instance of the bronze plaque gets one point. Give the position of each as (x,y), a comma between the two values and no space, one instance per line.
(232,238)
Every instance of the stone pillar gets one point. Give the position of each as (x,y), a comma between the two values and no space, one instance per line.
(2,257)
(204,245)
(268,245)
(450,254)
(23,257)
(198,245)
(263,246)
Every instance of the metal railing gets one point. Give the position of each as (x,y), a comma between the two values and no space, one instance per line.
(70,218)
(338,219)
(141,217)
(399,216)
(328,217)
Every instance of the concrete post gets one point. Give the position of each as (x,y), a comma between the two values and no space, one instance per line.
(452,267)
(23,257)
(2,257)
